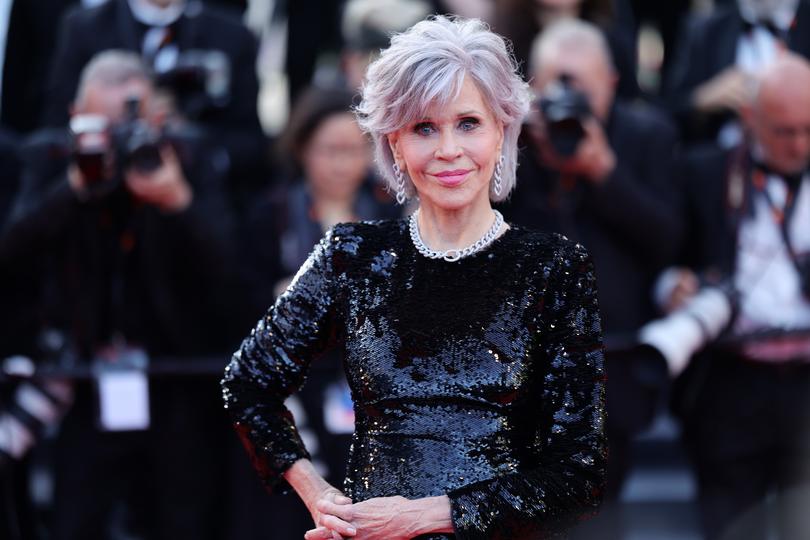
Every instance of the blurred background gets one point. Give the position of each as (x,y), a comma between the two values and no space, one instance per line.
(167,165)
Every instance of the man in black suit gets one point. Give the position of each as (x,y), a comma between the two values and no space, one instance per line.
(718,56)
(161,31)
(745,401)
(135,254)
(610,191)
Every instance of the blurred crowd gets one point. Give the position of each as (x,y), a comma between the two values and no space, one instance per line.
(167,165)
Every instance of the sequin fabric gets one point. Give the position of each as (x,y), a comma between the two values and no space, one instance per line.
(480,379)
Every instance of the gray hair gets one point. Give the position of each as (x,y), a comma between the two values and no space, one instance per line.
(426,66)
(112,68)
(569,35)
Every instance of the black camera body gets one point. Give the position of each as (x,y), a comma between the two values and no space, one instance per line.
(103,151)
(198,79)
(564,109)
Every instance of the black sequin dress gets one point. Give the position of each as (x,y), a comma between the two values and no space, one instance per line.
(481,379)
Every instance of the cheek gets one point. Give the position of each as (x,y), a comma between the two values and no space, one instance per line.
(416,155)
(317,169)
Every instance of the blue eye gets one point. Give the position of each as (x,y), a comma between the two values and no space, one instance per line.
(468,124)
(423,128)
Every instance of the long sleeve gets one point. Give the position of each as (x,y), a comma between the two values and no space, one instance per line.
(44,205)
(272,363)
(566,482)
(638,201)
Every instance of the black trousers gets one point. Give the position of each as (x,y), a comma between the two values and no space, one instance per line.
(749,435)
(163,483)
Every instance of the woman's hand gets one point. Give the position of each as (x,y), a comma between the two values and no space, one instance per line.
(384,518)
(328,526)
(314,491)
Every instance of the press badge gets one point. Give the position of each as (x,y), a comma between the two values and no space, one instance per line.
(122,388)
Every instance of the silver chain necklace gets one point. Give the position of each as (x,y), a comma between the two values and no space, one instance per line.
(452,255)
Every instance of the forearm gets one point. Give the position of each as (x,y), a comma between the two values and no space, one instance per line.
(307,483)
(430,515)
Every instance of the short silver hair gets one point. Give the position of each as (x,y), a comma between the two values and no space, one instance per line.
(569,35)
(426,66)
(112,67)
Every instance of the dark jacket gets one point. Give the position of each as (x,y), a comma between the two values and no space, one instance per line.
(712,214)
(630,223)
(29,44)
(112,265)
(708,46)
(84,32)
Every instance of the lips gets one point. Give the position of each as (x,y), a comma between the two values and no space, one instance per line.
(453,177)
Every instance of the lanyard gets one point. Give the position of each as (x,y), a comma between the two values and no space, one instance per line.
(782,216)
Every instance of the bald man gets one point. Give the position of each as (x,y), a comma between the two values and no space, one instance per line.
(746,405)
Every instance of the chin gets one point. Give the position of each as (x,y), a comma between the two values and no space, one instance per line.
(466,194)
(451,200)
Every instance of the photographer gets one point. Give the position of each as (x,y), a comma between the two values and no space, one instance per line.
(744,399)
(204,56)
(129,223)
(598,171)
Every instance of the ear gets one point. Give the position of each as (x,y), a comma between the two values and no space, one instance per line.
(393,144)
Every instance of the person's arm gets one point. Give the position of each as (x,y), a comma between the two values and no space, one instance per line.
(272,363)
(45,203)
(567,481)
(638,200)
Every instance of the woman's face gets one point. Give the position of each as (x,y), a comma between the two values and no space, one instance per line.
(450,154)
(337,157)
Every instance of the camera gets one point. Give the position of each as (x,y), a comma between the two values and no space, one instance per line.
(699,322)
(101,149)
(198,79)
(564,108)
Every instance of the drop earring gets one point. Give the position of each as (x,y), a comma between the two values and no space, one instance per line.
(497,186)
(399,185)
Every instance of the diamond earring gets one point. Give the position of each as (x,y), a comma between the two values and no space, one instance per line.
(399,185)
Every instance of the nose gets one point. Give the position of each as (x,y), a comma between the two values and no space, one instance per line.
(448,147)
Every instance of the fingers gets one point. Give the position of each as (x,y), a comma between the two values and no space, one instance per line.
(321,533)
(338,525)
(343,511)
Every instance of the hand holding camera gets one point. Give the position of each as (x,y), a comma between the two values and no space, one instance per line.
(165,187)
(133,151)
(569,137)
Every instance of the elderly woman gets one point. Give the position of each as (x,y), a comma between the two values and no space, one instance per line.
(472,348)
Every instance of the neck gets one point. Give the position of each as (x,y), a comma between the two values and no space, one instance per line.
(331,210)
(443,229)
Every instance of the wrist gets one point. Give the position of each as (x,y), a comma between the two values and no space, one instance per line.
(307,483)
(429,515)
